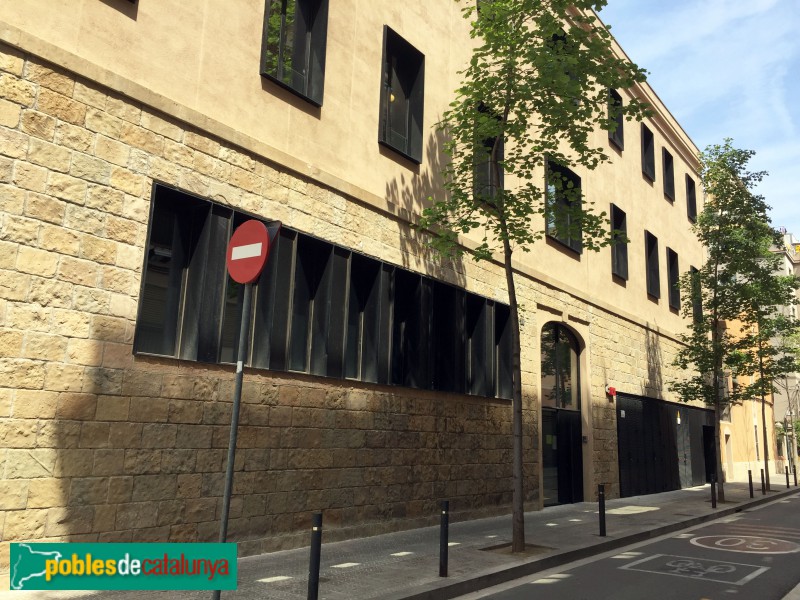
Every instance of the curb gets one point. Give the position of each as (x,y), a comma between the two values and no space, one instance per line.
(500,575)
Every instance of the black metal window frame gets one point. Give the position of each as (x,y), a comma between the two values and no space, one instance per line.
(402,96)
(319,308)
(484,188)
(616,137)
(691,199)
(295,31)
(651,258)
(648,153)
(668,164)
(673,279)
(619,248)
(563,204)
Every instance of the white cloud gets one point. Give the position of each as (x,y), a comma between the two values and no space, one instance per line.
(726,68)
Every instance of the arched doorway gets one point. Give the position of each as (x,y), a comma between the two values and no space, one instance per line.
(562,452)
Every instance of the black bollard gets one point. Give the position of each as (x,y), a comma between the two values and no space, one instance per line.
(763,484)
(444,531)
(316,551)
(787,477)
(794,468)
(601,499)
(750,481)
(713,491)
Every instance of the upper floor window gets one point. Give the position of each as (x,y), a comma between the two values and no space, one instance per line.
(293,46)
(619,247)
(648,153)
(488,157)
(673,279)
(563,206)
(669,175)
(691,199)
(616,136)
(402,96)
(651,258)
(697,295)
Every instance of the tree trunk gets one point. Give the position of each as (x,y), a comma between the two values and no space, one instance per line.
(518,504)
(716,335)
(718,452)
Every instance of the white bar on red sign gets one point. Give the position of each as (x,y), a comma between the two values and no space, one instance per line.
(248,251)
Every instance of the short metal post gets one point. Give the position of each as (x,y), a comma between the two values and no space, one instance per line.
(794,468)
(601,499)
(787,477)
(713,491)
(750,481)
(444,532)
(316,552)
(763,484)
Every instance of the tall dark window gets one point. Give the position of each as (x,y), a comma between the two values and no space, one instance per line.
(619,247)
(487,179)
(669,174)
(648,153)
(402,96)
(560,380)
(697,296)
(617,136)
(651,257)
(673,279)
(691,199)
(563,206)
(293,46)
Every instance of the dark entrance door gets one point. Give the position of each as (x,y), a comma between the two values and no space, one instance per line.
(661,445)
(562,456)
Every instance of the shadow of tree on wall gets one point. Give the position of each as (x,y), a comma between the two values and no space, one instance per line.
(410,195)
(653,386)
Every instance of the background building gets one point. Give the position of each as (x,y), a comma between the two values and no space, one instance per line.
(135,135)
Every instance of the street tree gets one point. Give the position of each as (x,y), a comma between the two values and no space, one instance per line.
(764,348)
(535,91)
(729,287)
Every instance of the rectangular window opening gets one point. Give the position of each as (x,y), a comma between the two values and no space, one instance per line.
(651,254)
(648,153)
(669,175)
(673,279)
(293,46)
(563,206)
(691,199)
(617,135)
(619,248)
(402,96)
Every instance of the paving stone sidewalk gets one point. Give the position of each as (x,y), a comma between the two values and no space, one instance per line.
(404,565)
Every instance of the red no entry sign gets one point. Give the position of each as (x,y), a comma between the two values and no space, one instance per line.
(247,251)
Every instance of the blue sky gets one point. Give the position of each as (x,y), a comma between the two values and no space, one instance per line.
(726,68)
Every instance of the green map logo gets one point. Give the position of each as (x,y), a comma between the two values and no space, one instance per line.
(27,564)
(123,566)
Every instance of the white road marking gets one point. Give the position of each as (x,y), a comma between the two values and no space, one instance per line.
(345,565)
(454,543)
(631,510)
(402,553)
(273,579)
(247,251)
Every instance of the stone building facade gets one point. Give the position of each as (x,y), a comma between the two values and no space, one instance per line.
(99,442)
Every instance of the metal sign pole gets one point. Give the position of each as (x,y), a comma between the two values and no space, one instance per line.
(244,337)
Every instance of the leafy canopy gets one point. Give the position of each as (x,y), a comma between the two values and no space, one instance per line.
(536,89)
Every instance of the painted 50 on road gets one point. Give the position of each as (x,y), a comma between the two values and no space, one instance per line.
(123,566)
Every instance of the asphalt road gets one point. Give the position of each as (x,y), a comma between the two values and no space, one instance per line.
(754,554)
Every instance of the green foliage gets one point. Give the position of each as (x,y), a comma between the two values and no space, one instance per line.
(737,282)
(536,89)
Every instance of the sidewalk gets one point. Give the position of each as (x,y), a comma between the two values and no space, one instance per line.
(404,565)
